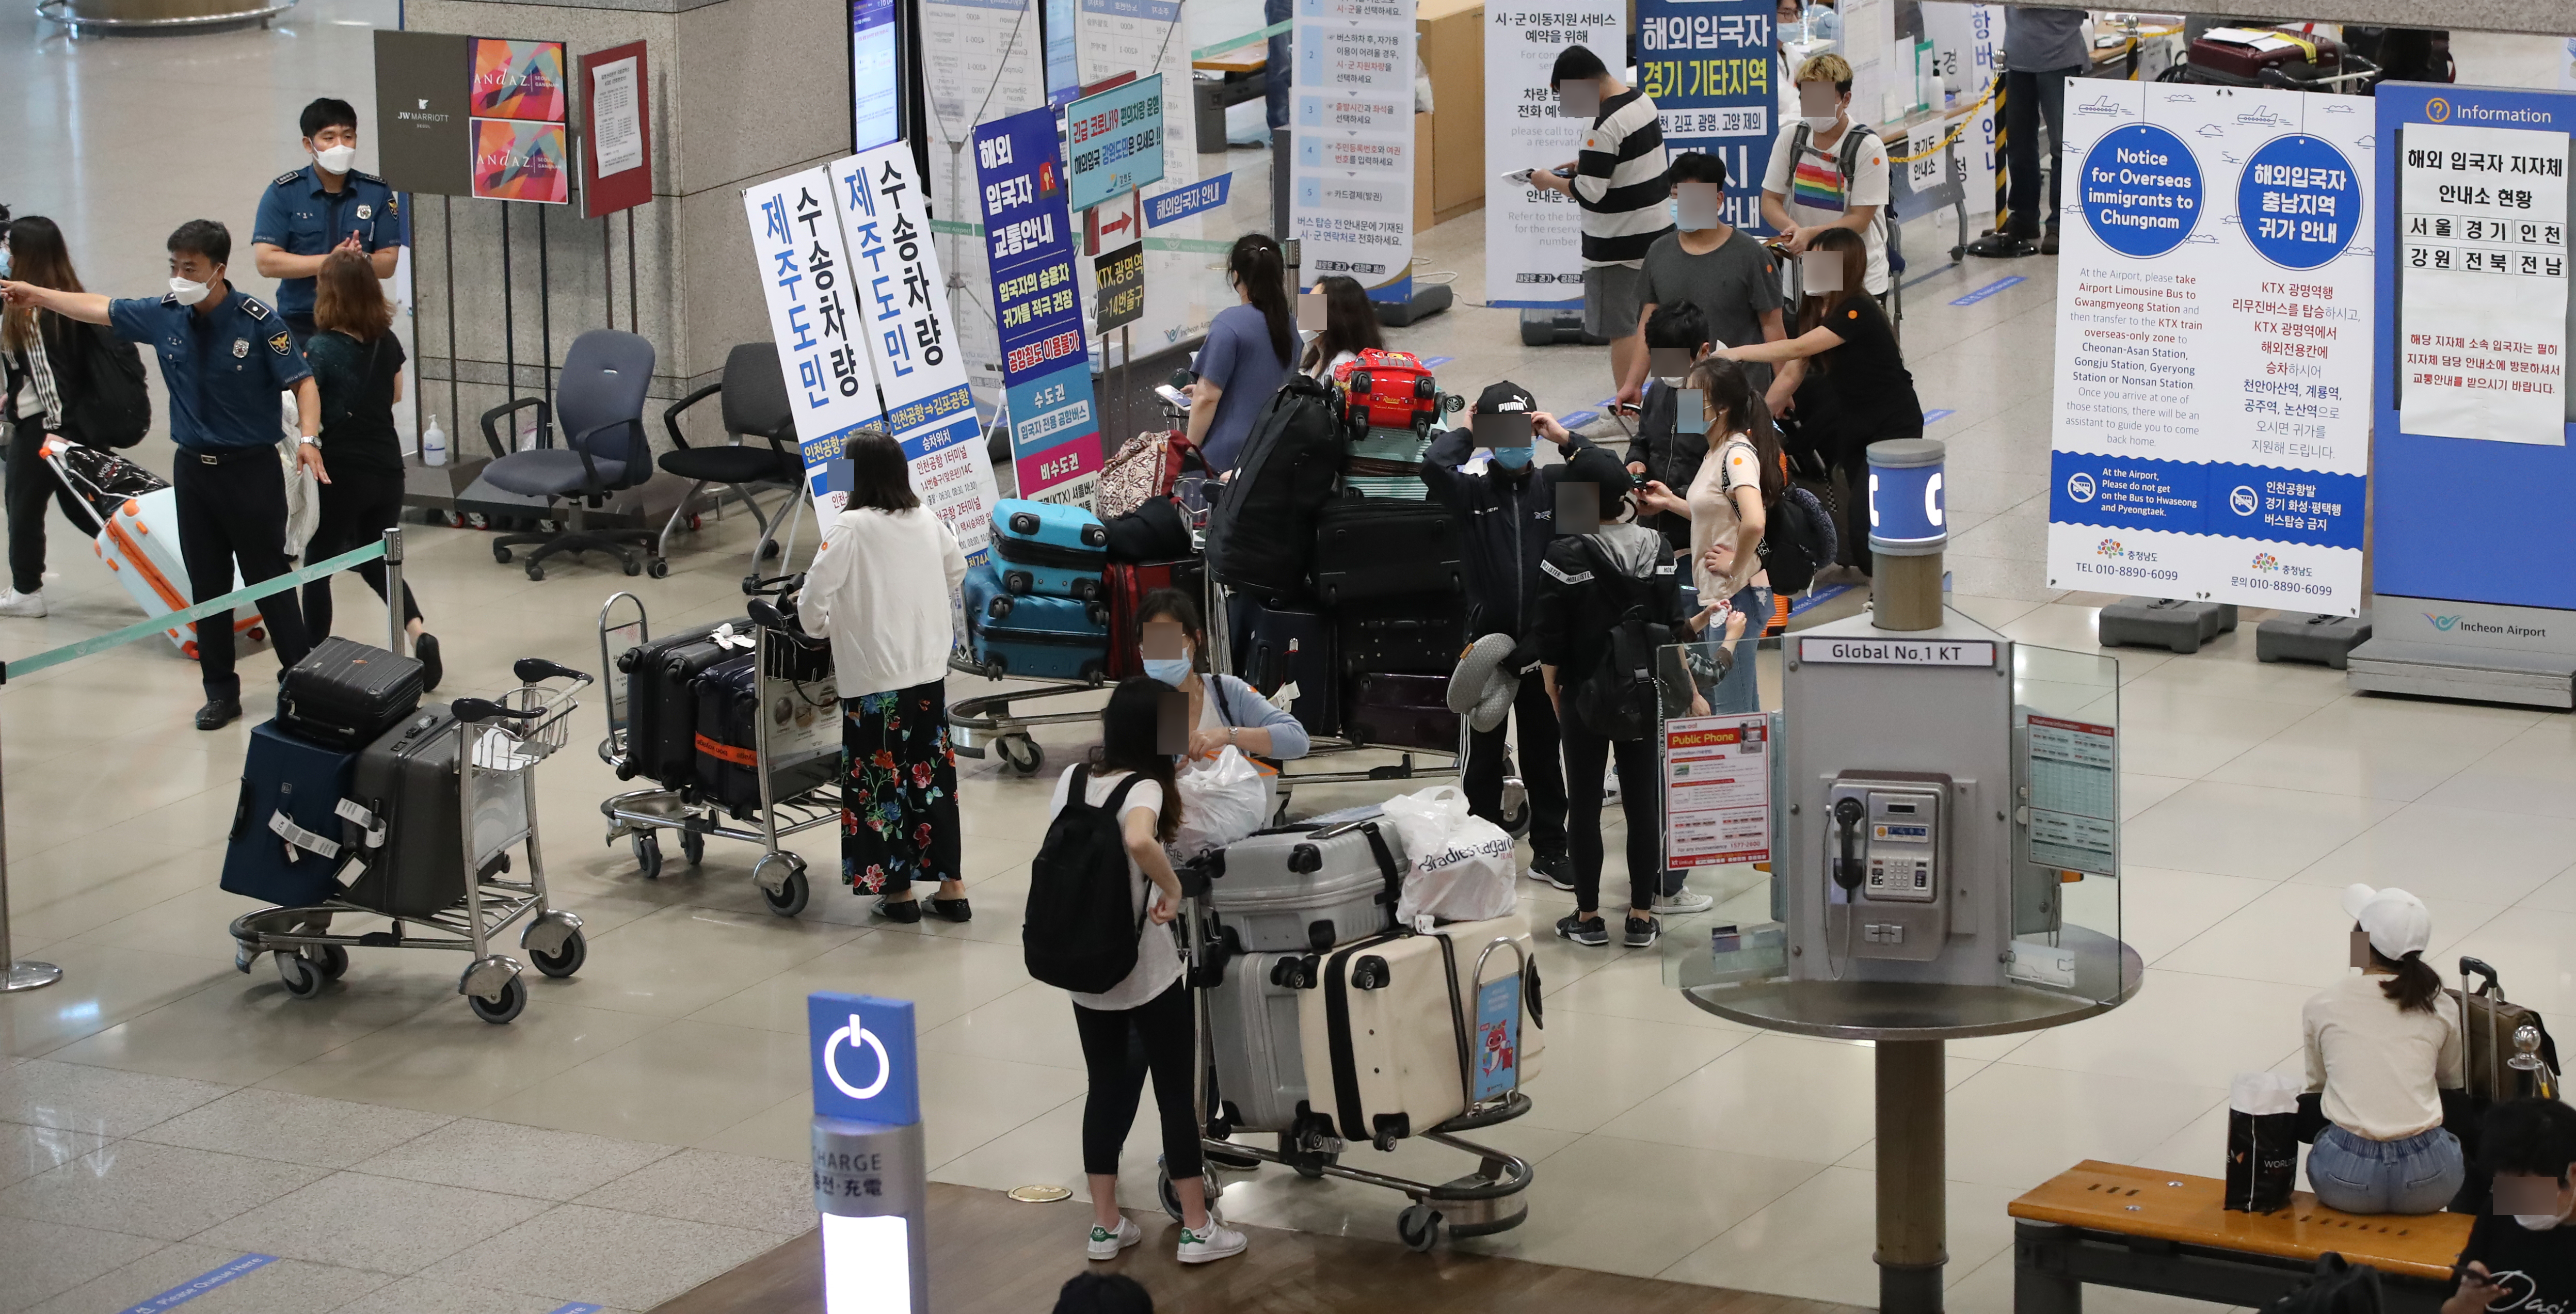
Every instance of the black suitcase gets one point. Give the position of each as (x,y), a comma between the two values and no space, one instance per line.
(1400,711)
(408,846)
(1420,635)
(1283,647)
(285,844)
(646,667)
(345,693)
(805,740)
(1368,548)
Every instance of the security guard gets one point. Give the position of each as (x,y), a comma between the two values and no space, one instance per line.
(327,204)
(224,358)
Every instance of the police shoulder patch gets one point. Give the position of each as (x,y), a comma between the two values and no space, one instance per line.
(287,177)
(169,298)
(363,176)
(252,307)
(282,343)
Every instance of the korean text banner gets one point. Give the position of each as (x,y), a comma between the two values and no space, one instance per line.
(902,305)
(2212,413)
(1116,141)
(1350,121)
(1707,66)
(805,276)
(1046,368)
(1534,237)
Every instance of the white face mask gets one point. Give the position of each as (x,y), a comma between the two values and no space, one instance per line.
(337,159)
(1824,124)
(189,293)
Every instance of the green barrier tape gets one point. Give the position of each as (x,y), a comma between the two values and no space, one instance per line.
(1188,245)
(159,624)
(1237,43)
(956,229)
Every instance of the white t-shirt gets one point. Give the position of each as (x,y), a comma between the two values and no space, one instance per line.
(1158,959)
(1324,372)
(1817,192)
(1713,509)
(2382,1069)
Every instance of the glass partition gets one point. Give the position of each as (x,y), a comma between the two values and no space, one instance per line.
(1720,721)
(2066,824)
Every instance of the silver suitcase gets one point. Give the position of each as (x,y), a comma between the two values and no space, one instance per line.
(1260,1061)
(1307,890)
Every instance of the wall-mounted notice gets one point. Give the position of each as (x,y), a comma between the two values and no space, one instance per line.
(1717,790)
(902,305)
(1707,66)
(2212,412)
(805,276)
(2482,255)
(1046,366)
(1351,178)
(1534,237)
(617,170)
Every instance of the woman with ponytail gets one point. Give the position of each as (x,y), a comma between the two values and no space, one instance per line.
(1729,504)
(2381,1050)
(1249,351)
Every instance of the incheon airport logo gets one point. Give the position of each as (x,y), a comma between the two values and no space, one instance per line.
(2443,623)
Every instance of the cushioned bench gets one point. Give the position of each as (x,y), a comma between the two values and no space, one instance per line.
(2145,1230)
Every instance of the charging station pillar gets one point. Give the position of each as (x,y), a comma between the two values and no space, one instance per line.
(870,1173)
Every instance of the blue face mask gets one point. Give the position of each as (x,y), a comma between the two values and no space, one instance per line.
(1170,670)
(1514,458)
(4,262)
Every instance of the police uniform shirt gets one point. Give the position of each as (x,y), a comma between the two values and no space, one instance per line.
(224,368)
(299,216)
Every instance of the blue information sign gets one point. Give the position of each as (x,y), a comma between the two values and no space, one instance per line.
(2141,189)
(1029,244)
(864,1064)
(1182,202)
(2300,201)
(1707,65)
(1115,140)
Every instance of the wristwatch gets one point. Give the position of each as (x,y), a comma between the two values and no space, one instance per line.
(306,440)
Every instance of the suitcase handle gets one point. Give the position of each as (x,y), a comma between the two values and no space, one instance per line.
(2479,967)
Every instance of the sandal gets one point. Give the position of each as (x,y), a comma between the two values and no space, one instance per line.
(955,910)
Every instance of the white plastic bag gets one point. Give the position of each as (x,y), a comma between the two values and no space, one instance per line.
(1223,799)
(1461,863)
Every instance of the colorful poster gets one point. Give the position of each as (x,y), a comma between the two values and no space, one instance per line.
(904,313)
(520,161)
(2482,250)
(1717,789)
(1351,124)
(1115,141)
(805,276)
(1498,1035)
(1046,362)
(2212,413)
(1707,66)
(1534,237)
(519,80)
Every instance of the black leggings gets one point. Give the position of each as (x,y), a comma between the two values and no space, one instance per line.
(1120,1047)
(30,482)
(1640,797)
(358,506)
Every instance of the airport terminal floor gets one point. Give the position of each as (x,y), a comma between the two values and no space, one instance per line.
(642,1128)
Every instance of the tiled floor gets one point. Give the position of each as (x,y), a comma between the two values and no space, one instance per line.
(642,1126)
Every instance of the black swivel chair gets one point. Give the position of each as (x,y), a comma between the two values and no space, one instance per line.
(755,406)
(599,395)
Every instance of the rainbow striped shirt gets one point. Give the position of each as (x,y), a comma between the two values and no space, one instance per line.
(1818,182)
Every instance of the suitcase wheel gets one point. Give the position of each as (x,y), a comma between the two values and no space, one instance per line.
(999,607)
(1024,522)
(1095,535)
(1370,973)
(1424,388)
(1016,581)
(1094,673)
(1359,380)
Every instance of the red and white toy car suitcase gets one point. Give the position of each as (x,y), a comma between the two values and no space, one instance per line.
(1386,390)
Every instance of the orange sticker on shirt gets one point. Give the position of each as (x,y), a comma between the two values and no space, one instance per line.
(1851,314)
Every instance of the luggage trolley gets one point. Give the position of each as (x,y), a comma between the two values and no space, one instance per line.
(790,801)
(498,745)
(1493,1198)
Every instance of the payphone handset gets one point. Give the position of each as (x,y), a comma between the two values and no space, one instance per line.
(1886,842)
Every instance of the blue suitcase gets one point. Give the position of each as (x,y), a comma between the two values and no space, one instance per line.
(292,862)
(1035,636)
(1050,550)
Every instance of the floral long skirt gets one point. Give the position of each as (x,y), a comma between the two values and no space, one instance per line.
(898,790)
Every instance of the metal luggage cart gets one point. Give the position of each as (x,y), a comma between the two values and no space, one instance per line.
(1493,1198)
(985,723)
(783,658)
(499,742)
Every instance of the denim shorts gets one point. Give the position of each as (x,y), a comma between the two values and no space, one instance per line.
(2416,1174)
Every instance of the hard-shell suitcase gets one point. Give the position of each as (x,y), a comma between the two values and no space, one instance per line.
(1280,648)
(1049,548)
(1252,1034)
(1387,464)
(1420,635)
(345,693)
(1307,889)
(404,828)
(1035,636)
(1400,711)
(1261,530)
(2238,56)
(1127,584)
(1366,549)
(1387,390)
(646,667)
(140,544)
(804,734)
(672,754)
(285,846)
(1397,1032)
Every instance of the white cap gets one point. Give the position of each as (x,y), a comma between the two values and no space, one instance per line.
(2398,923)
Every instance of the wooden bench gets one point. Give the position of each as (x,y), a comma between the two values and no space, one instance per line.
(2145,1230)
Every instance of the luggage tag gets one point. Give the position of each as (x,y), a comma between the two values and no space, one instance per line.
(297,837)
(726,637)
(352,812)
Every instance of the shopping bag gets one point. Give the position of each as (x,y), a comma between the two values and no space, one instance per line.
(2262,1141)
(1223,799)
(1461,863)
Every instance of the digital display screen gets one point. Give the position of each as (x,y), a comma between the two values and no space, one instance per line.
(876,87)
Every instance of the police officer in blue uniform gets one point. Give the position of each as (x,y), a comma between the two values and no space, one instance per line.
(224,358)
(305,215)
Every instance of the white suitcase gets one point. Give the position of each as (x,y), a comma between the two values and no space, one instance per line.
(1396,1033)
(1306,890)
(140,544)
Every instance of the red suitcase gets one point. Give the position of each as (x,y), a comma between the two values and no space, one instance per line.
(1391,387)
(1400,711)
(1127,584)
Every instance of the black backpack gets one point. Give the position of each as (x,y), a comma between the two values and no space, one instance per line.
(1797,541)
(1261,532)
(1154,531)
(1620,698)
(111,406)
(1082,925)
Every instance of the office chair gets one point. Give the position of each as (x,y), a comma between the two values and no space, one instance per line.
(755,406)
(599,395)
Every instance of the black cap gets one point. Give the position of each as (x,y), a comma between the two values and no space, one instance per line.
(1503,397)
(1595,465)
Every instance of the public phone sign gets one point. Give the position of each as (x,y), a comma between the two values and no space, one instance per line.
(1046,362)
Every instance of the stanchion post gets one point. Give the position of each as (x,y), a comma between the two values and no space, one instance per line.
(15,975)
(870,1173)
(394,593)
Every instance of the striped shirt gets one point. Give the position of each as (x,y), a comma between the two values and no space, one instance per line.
(1621,182)
(41,400)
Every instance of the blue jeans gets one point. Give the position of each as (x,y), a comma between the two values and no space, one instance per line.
(2416,1175)
(1741,689)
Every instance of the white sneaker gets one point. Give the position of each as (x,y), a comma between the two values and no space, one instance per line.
(1106,1244)
(1610,785)
(1218,1242)
(1684,901)
(14,603)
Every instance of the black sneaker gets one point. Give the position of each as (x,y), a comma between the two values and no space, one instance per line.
(425,650)
(906,911)
(1555,869)
(218,713)
(1642,932)
(1593,934)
